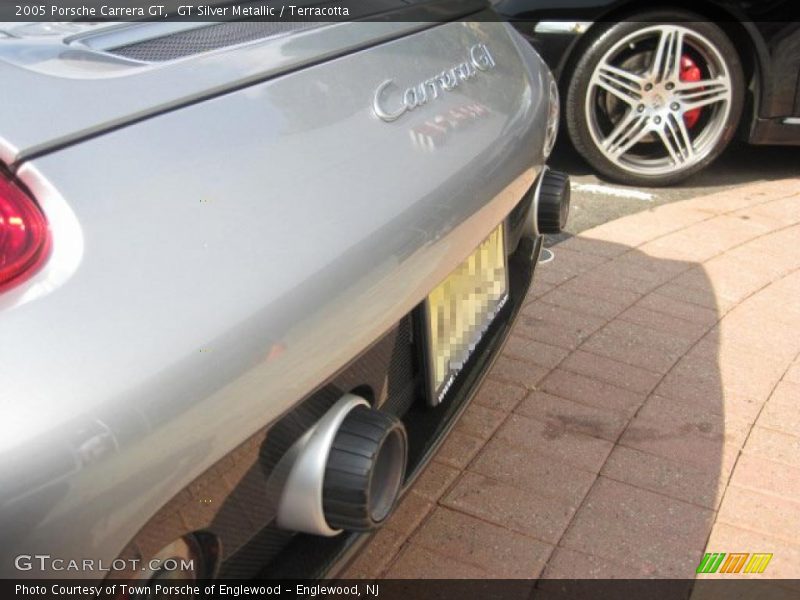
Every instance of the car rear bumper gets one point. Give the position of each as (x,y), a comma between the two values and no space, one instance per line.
(217,268)
(427,429)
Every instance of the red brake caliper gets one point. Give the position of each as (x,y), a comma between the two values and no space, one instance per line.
(690,72)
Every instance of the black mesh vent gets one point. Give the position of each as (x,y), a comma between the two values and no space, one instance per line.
(401,376)
(204,39)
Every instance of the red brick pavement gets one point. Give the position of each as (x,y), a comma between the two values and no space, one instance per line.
(644,411)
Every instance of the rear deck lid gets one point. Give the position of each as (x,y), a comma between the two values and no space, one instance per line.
(66,81)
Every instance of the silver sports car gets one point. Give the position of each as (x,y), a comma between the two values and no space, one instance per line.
(250,275)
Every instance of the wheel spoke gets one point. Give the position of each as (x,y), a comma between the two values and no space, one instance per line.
(630,129)
(698,94)
(642,117)
(677,140)
(623,84)
(667,59)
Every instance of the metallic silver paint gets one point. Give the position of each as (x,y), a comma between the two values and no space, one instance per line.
(300,504)
(532,227)
(56,90)
(224,259)
(479,59)
(574,27)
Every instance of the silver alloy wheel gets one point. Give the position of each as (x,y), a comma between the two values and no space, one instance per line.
(636,101)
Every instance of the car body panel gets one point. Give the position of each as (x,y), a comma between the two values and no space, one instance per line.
(59,87)
(214,264)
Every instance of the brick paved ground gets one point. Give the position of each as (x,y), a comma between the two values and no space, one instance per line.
(645,409)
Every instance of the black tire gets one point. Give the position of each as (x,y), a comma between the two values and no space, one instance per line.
(365,470)
(602,41)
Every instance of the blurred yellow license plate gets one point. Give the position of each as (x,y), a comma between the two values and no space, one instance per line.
(459,311)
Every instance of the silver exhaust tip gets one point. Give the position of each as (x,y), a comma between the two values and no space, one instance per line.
(550,204)
(345,473)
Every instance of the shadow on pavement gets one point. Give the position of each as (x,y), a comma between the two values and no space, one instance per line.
(646,349)
(643,375)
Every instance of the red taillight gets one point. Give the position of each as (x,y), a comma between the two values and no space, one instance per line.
(24,237)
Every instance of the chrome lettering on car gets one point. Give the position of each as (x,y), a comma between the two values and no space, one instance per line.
(480,59)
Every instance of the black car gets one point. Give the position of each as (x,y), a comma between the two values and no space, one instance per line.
(651,94)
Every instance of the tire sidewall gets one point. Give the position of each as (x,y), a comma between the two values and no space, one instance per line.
(601,42)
